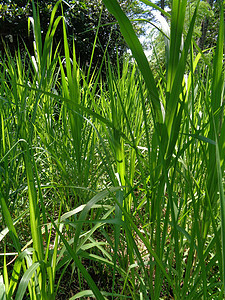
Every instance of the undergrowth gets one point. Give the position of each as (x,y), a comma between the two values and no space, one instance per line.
(113,188)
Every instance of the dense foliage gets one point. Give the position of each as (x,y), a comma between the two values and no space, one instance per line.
(84,19)
(113,189)
(207,21)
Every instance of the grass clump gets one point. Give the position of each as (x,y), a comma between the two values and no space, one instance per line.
(121,178)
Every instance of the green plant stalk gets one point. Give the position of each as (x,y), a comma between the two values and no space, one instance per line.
(222,208)
(218,122)
(9,223)
(138,53)
(17,267)
(171,222)
(73,92)
(166,134)
(35,223)
(42,60)
(5,272)
(73,251)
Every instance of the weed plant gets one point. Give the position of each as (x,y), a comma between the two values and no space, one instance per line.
(120,178)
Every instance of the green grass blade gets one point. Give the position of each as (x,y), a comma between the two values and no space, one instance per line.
(176,31)
(79,265)
(138,53)
(174,84)
(33,201)
(222,208)
(9,223)
(100,196)
(153,5)
(5,272)
(25,280)
(216,105)
(2,289)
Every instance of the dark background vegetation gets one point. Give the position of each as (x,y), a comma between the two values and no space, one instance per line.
(82,19)
(207,21)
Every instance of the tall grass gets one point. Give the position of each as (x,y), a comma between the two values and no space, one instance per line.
(171,144)
(122,177)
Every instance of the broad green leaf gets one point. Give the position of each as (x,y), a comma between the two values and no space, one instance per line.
(25,280)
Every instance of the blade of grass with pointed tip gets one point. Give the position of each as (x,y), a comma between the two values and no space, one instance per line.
(79,265)
(88,206)
(176,32)
(174,84)
(153,5)
(138,53)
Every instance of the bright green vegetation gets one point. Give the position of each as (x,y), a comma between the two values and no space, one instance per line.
(115,185)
